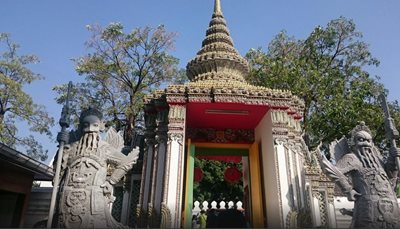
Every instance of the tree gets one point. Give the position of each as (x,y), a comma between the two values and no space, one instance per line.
(15,104)
(328,70)
(122,68)
(213,186)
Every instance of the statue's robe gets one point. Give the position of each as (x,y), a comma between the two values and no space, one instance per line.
(82,202)
(377,206)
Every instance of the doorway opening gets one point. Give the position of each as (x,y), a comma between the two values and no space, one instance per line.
(229,174)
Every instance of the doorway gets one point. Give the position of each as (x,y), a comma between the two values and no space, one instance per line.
(250,190)
(11,208)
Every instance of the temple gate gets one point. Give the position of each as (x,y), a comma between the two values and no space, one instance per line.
(217,109)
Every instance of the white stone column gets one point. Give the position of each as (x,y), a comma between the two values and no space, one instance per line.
(145,188)
(126,199)
(301,178)
(331,215)
(158,172)
(157,181)
(283,179)
(316,214)
(174,168)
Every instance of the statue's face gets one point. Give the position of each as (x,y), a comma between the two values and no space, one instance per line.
(363,139)
(91,124)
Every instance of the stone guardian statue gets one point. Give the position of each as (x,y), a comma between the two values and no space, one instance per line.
(373,179)
(85,192)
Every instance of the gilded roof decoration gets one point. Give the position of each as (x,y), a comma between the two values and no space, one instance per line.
(217,59)
(217,74)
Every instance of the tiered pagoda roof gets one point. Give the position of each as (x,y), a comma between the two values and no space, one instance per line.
(217,75)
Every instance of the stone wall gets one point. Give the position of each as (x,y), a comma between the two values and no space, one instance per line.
(38,206)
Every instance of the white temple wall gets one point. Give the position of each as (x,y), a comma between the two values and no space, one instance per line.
(263,134)
(283,168)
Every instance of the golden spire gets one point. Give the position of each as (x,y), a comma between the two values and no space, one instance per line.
(217,7)
(217,60)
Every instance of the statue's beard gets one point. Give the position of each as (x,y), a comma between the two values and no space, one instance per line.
(88,142)
(367,157)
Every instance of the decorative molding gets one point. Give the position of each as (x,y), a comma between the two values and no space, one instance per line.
(162,112)
(232,91)
(177,113)
(316,194)
(278,180)
(150,116)
(280,141)
(304,219)
(330,193)
(291,219)
(177,137)
(141,217)
(323,208)
(166,219)
(153,219)
(161,138)
(282,118)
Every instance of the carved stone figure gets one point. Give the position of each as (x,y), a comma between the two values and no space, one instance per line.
(373,179)
(85,189)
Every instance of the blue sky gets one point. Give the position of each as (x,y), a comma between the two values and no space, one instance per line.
(55,31)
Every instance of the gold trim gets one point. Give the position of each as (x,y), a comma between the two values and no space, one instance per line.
(255,187)
(185,220)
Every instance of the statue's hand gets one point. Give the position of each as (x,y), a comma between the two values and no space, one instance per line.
(345,211)
(63,136)
(107,188)
(352,195)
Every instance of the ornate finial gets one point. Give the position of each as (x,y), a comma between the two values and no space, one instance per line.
(217,7)
(217,59)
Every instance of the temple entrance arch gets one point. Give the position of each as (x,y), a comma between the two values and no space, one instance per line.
(251,152)
(219,109)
